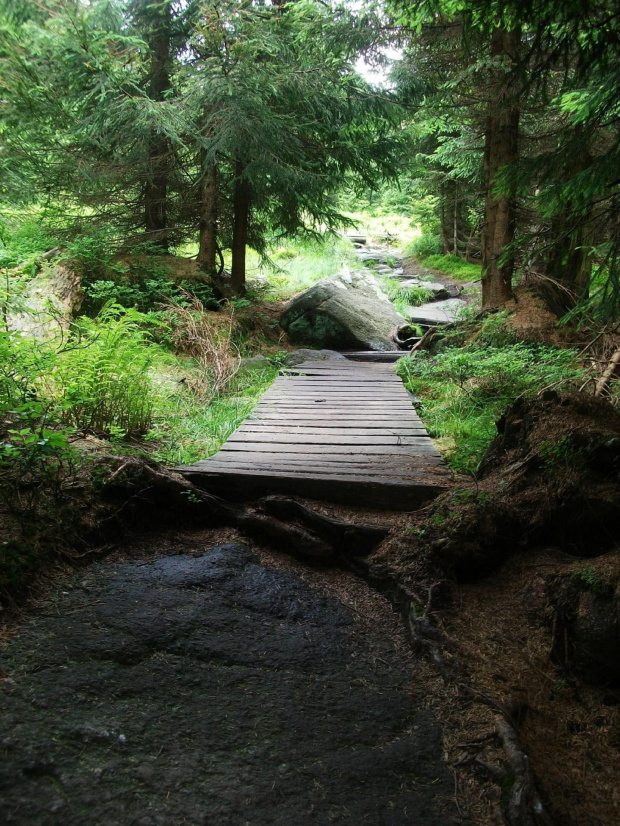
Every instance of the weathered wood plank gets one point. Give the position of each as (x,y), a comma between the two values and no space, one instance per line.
(423,449)
(409,475)
(336,430)
(336,460)
(337,403)
(426,477)
(262,427)
(311,438)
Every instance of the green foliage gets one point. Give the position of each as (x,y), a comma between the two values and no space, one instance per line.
(298,264)
(560,452)
(453,266)
(424,245)
(185,429)
(404,297)
(35,451)
(102,383)
(144,293)
(588,577)
(465,390)
(20,246)
(142,280)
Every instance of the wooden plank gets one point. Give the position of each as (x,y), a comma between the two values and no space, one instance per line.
(424,478)
(301,459)
(307,426)
(423,449)
(316,417)
(260,427)
(336,403)
(250,458)
(385,471)
(311,438)
(330,378)
(335,392)
(392,497)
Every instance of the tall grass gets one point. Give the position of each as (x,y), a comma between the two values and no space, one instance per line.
(465,390)
(298,265)
(186,429)
(454,266)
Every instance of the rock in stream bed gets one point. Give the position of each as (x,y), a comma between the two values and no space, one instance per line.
(211,689)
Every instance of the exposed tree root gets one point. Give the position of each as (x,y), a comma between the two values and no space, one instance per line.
(284,522)
(524,807)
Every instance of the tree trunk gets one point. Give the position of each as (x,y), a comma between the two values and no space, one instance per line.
(207,241)
(569,264)
(156,184)
(156,194)
(501,150)
(241,206)
(454,226)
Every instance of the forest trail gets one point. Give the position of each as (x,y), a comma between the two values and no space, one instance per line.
(338,430)
(187,683)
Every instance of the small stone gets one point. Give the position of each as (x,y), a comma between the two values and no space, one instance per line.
(122,739)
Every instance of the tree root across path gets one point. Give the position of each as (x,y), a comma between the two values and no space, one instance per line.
(314,537)
(284,522)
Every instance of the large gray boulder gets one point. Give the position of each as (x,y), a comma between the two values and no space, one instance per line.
(45,305)
(303,354)
(346,311)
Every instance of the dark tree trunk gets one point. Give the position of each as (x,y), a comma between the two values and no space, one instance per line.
(241,206)
(207,249)
(501,150)
(156,184)
(156,194)
(454,226)
(569,263)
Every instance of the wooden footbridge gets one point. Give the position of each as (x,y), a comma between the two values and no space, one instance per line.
(342,431)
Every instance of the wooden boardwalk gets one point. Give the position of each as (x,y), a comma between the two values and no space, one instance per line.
(341,431)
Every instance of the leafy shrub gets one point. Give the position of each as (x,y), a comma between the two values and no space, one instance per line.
(465,390)
(101,383)
(426,244)
(142,282)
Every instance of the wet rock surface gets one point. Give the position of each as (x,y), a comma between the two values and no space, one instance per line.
(211,689)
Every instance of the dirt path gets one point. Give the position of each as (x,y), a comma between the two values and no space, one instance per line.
(206,687)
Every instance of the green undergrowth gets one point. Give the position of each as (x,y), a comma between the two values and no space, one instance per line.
(297,265)
(465,389)
(426,251)
(112,379)
(186,429)
(404,297)
(453,266)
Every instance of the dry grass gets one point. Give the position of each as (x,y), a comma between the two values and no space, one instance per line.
(210,344)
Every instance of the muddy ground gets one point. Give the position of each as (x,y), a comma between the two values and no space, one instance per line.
(189,684)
